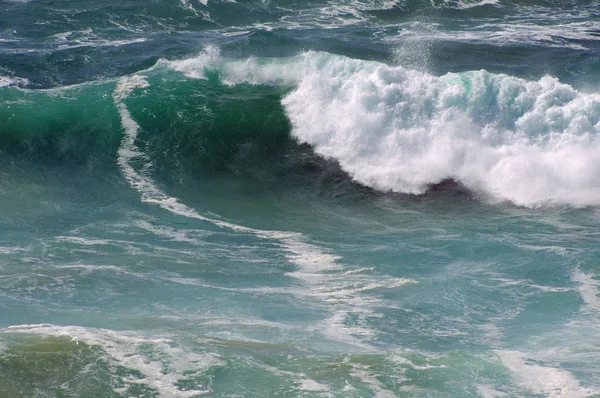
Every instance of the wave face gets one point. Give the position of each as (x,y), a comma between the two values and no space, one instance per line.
(186,128)
(51,126)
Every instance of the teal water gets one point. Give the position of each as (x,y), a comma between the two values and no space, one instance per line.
(316,199)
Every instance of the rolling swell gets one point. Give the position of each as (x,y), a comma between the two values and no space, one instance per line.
(389,128)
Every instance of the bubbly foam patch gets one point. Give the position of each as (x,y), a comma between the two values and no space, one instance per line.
(530,142)
(589,289)
(543,380)
(161,363)
(88,38)
(462,4)
(302,382)
(559,34)
(488,392)
(367,377)
(6,81)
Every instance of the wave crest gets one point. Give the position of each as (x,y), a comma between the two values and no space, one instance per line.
(394,129)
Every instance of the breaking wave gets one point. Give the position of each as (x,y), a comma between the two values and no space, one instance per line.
(394,129)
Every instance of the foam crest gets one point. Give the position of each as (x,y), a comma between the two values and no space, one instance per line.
(530,142)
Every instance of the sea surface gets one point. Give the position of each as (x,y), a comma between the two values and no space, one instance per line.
(300,198)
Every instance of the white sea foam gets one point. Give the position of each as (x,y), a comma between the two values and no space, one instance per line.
(488,392)
(462,4)
(87,38)
(6,81)
(160,361)
(335,14)
(544,380)
(589,289)
(173,234)
(13,249)
(397,358)
(301,380)
(83,241)
(524,283)
(88,268)
(367,377)
(203,13)
(350,298)
(530,142)
(517,32)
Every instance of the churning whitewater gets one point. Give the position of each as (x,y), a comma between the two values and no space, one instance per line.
(300,198)
(395,129)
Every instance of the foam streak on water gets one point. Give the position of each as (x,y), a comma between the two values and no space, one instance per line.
(319,270)
(162,366)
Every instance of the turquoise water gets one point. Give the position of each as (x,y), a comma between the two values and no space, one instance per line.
(316,199)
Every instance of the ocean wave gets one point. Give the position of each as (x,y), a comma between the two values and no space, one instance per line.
(532,143)
(504,138)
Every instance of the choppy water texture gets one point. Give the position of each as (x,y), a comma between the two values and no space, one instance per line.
(378,198)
